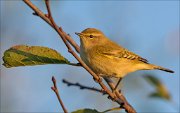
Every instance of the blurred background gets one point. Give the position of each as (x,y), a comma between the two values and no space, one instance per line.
(148,28)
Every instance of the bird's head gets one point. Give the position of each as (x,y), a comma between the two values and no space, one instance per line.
(91,37)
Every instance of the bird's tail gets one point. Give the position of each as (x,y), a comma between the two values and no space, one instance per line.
(162,68)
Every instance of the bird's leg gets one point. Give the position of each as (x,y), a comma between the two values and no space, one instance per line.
(117,84)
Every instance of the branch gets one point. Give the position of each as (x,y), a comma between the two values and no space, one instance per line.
(55,89)
(65,37)
(83,86)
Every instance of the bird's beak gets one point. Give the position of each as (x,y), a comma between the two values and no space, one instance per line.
(79,34)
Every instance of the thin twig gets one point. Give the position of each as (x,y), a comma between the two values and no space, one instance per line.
(48,18)
(75,64)
(83,86)
(55,89)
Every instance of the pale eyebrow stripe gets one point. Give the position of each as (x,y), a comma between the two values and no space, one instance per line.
(93,34)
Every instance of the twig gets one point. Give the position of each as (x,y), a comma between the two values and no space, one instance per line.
(75,64)
(55,89)
(65,37)
(83,86)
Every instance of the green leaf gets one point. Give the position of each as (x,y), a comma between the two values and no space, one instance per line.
(22,55)
(157,95)
(153,80)
(86,111)
(161,90)
(112,109)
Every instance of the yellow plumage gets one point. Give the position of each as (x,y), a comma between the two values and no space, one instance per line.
(107,58)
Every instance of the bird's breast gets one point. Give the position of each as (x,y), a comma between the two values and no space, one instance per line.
(84,55)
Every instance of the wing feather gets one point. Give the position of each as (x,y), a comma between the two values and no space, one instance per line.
(124,53)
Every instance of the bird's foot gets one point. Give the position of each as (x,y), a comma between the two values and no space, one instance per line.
(113,90)
(103,91)
(112,98)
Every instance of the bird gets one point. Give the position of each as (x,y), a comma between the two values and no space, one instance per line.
(109,59)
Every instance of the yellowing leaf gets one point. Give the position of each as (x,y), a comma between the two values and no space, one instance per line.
(112,109)
(86,111)
(22,55)
(161,90)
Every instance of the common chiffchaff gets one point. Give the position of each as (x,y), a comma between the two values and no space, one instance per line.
(108,59)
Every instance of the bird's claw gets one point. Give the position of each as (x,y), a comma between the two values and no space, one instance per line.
(113,90)
(103,91)
(112,98)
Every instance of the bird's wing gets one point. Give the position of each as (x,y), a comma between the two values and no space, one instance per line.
(124,53)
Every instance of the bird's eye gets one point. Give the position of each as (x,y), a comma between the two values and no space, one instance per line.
(91,36)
